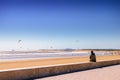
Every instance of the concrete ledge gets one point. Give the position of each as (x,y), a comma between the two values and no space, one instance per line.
(37,72)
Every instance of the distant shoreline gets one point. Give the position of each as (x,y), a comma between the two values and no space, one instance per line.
(62,50)
(43,54)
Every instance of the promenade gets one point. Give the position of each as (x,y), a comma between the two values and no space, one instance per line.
(105,73)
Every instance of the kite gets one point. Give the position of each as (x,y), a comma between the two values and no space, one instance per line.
(19,41)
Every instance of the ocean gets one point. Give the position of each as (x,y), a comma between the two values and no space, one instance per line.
(22,56)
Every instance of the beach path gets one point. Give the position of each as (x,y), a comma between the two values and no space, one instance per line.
(105,73)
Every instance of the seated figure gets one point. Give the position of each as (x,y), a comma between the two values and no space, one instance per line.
(92,57)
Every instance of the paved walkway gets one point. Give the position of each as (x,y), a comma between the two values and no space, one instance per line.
(105,73)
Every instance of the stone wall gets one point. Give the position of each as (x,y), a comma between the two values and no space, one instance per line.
(37,72)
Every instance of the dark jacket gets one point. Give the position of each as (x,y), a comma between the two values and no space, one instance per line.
(92,57)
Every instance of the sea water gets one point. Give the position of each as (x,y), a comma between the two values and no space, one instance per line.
(19,56)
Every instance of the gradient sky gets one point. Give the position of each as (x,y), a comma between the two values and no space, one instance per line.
(58,24)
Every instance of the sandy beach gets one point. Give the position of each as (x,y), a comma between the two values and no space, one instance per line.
(5,65)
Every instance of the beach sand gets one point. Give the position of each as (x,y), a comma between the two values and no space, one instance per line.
(5,65)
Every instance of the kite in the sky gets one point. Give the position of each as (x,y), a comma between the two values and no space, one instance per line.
(19,41)
(77,41)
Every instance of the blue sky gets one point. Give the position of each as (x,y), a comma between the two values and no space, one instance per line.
(41,24)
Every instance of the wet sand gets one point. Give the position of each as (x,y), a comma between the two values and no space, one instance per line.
(5,65)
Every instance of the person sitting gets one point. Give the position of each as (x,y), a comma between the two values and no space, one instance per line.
(92,57)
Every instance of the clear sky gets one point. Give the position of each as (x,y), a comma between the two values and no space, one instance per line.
(59,24)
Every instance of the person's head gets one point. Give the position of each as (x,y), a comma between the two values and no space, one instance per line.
(92,52)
